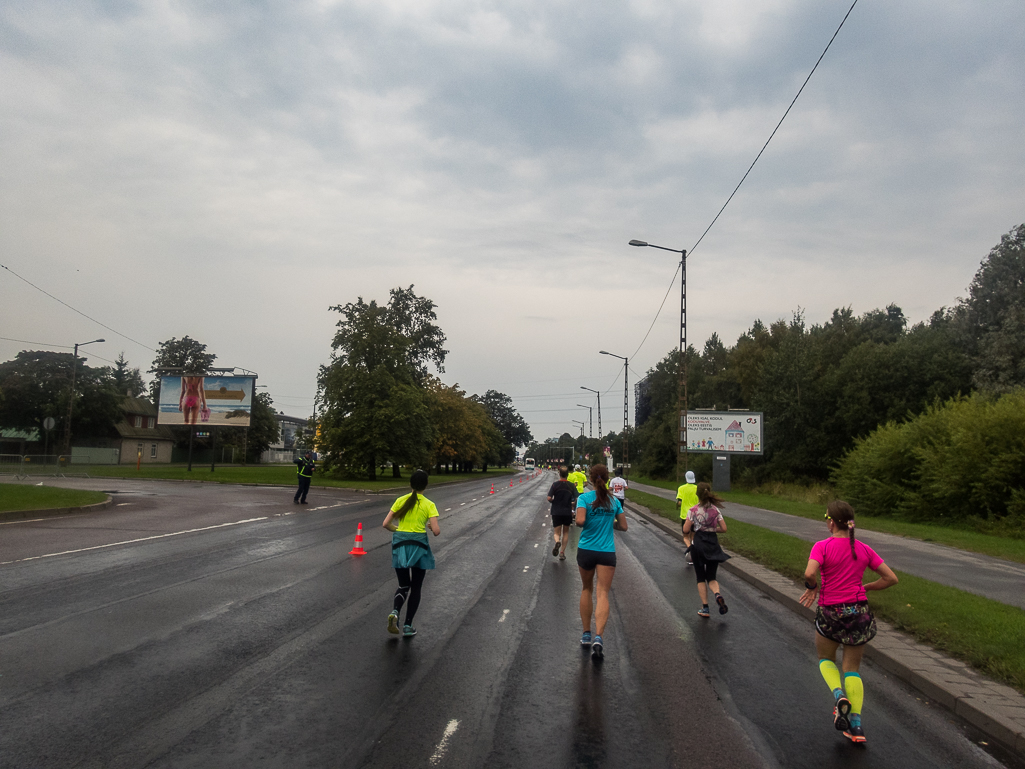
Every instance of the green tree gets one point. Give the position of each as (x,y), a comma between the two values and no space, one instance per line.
(182,356)
(126,380)
(375,409)
(413,317)
(509,422)
(37,385)
(993,315)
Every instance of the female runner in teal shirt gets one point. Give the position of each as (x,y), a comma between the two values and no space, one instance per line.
(598,512)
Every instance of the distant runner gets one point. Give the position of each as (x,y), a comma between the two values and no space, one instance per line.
(563,496)
(598,512)
(578,478)
(411,554)
(618,486)
(703,523)
(843,617)
(686,498)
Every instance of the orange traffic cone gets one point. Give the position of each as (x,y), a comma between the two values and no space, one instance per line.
(521,479)
(357,548)
(510,484)
(492,489)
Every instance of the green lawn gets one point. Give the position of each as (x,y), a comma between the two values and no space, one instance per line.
(279,475)
(984,633)
(17,497)
(972,541)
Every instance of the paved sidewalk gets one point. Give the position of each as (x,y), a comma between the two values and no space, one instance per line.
(994,709)
(974,573)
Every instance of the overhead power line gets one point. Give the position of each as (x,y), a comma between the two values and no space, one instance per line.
(792,103)
(762,150)
(87,317)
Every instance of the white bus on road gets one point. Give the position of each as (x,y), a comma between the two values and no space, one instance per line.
(528,464)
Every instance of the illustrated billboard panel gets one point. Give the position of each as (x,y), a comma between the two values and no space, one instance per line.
(205,400)
(735,432)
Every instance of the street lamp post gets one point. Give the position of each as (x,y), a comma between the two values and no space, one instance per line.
(626,406)
(590,417)
(598,393)
(578,422)
(681,399)
(71,400)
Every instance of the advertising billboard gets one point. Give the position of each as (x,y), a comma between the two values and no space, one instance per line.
(205,400)
(734,432)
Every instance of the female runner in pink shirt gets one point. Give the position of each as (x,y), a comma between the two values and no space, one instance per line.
(843,617)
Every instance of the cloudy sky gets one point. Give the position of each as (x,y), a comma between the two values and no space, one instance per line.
(229,171)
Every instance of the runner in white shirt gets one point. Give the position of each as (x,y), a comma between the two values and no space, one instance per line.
(618,485)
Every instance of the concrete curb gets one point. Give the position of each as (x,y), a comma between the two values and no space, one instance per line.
(996,710)
(16,515)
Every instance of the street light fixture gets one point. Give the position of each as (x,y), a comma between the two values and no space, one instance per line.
(71,400)
(598,393)
(626,405)
(578,422)
(590,416)
(681,400)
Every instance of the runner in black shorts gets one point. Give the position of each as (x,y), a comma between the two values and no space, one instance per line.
(598,512)
(563,496)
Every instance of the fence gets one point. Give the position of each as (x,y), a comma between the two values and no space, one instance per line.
(35,464)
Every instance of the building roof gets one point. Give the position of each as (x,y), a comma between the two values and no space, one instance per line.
(141,407)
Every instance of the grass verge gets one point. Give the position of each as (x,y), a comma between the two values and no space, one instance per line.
(275,475)
(985,634)
(1009,549)
(17,497)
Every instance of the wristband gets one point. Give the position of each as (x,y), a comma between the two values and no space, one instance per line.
(810,586)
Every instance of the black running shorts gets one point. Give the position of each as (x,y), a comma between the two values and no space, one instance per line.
(589,559)
(562,520)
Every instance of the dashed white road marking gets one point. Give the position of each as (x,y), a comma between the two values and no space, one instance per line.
(535,544)
(133,541)
(505,613)
(461,504)
(447,509)
(439,752)
(122,504)
(525,568)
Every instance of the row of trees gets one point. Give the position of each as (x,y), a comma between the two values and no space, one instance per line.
(383,405)
(823,386)
(871,380)
(38,384)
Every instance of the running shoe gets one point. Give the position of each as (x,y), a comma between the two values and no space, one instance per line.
(408,631)
(597,648)
(562,557)
(585,639)
(703,612)
(393,622)
(855,734)
(555,550)
(723,608)
(840,712)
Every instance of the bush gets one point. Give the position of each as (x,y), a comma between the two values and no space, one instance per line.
(960,460)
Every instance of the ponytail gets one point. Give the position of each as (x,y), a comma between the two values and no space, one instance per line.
(418,482)
(600,479)
(842,515)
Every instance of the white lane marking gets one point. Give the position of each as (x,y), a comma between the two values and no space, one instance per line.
(505,613)
(133,541)
(447,509)
(525,569)
(535,544)
(122,504)
(461,504)
(439,752)
(542,525)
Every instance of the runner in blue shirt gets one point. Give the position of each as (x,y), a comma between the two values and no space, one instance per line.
(598,512)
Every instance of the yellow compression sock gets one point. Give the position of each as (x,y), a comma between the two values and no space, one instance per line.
(831,673)
(855,691)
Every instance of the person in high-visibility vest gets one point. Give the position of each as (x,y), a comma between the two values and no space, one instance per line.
(578,479)
(304,470)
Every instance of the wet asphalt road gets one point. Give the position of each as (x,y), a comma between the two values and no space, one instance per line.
(199,626)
